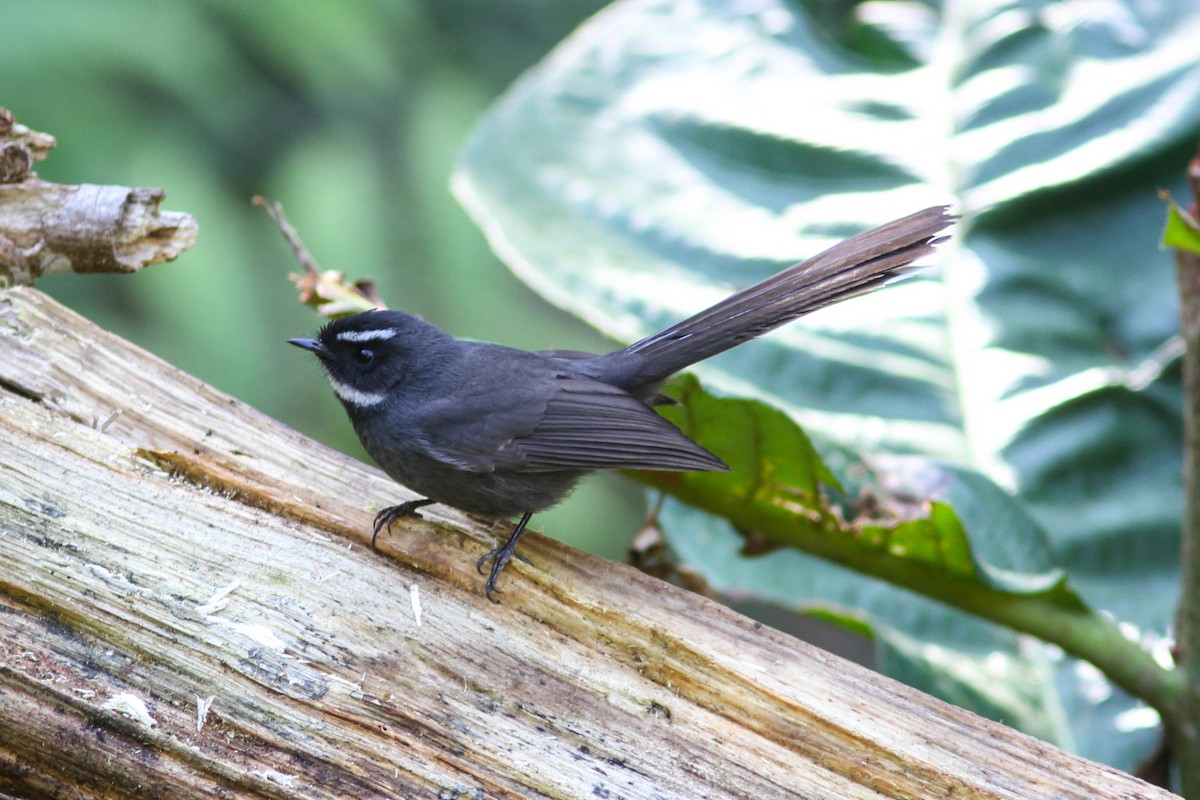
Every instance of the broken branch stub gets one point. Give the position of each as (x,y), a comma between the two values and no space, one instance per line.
(47,227)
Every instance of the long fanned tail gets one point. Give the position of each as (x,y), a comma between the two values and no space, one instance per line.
(851,267)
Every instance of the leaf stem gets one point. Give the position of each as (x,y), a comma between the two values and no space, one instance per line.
(1185,727)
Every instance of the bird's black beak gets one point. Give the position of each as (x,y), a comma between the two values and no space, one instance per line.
(310,344)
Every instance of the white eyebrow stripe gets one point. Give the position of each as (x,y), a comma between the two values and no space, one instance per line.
(348,394)
(366,336)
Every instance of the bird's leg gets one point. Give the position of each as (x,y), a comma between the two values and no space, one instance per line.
(387,516)
(501,556)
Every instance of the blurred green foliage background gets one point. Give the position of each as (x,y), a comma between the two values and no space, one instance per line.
(350,114)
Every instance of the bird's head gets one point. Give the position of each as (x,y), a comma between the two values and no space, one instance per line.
(366,355)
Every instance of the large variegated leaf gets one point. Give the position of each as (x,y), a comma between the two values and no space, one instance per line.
(670,152)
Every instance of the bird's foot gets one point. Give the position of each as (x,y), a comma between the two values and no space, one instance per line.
(387,516)
(501,556)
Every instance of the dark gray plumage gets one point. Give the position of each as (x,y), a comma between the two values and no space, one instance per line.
(498,431)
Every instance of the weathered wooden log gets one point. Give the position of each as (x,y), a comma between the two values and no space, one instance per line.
(191,609)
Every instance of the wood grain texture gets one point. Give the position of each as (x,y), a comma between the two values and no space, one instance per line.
(166,542)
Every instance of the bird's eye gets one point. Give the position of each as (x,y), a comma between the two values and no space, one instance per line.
(364,356)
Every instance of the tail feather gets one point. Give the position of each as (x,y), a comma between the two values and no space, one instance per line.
(852,267)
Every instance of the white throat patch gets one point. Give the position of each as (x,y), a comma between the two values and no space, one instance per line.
(366,336)
(348,394)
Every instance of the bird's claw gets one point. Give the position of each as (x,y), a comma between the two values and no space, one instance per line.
(387,516)
(499,558)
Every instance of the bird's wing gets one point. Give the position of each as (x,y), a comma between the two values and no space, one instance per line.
(592,425)
(583,424)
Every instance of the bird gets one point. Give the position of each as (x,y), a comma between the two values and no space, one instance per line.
(504,432)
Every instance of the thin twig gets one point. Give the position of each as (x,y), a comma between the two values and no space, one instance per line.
(328,292)
(275,210)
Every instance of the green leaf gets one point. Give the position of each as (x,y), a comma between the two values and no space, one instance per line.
(669,153)
(1182,231)
(776,487)
(1000,567)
